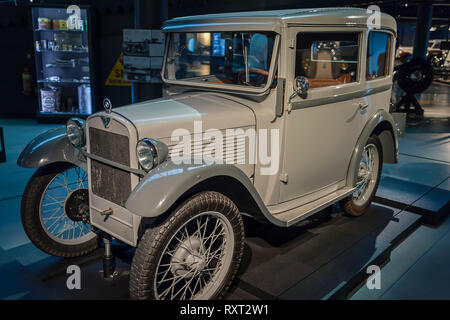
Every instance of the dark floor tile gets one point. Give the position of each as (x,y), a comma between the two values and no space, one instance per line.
(274,276)
(376,216)
(436,198)
(400,190)
(428,278)
(5,258)
(426,144)
(28,254)
(12,234)
(324,280)
(17,282)
(397,228)
(93,285)
(237,293)
(404,255)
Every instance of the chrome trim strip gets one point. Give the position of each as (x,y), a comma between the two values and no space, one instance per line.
(339,97)
(115,164)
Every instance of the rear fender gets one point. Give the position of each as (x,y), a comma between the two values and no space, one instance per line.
(388,139)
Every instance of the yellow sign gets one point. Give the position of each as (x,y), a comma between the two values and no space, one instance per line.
(115,78)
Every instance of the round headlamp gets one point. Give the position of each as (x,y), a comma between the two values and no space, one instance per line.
(147,154)
(150,153)
(75,132)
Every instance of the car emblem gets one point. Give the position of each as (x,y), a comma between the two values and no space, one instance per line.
(108,106)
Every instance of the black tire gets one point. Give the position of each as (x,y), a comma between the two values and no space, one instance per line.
(348,204)
(31,200)
(154,241)
(415,65)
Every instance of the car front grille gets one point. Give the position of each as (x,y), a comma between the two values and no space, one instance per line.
(109,182)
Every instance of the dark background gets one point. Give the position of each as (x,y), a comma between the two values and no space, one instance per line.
(112,16)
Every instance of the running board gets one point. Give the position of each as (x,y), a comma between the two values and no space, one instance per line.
(295,215)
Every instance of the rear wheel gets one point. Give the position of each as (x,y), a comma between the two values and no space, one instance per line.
(55,211)
(193,255)
(367,181)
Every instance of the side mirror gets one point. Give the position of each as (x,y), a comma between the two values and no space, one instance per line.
(301,87)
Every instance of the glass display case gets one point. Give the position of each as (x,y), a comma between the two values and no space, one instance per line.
(63,63)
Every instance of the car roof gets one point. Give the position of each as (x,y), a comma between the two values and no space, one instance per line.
(318,16)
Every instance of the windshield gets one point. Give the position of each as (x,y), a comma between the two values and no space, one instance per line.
(234,58)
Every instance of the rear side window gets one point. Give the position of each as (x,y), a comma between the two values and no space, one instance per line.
(378,51)
(327,59)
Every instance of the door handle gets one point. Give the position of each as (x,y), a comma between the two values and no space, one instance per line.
(363,106)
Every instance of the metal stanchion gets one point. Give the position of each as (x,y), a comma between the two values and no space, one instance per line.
(108,259)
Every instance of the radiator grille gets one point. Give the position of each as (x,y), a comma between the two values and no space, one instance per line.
(109,182)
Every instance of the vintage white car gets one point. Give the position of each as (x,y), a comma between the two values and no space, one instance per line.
(271,114)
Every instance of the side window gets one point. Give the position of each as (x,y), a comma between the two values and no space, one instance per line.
(378,52)
(327,59)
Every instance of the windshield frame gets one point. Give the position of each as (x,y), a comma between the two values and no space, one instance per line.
(223,87)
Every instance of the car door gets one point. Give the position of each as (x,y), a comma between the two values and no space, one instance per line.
(322,129)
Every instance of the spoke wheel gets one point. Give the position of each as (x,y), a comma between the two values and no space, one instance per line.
(55,211)
(367,174)
(368,177)
(193,255)
(63,226)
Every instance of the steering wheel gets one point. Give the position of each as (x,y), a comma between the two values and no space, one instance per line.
(259,80)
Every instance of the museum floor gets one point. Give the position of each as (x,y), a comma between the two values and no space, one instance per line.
(324,258)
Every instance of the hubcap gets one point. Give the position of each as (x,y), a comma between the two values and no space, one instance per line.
(63,210)
(417,75)
(77,205)
(367,175)
(196,259)
(192,255)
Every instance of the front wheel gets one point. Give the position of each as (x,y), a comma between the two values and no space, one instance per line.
(194,254)
(369,172)
(55,211)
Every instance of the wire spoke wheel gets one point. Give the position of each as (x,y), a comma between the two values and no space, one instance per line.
(367,178)
(367,175)
(193,254)
(58,224)
(196,258)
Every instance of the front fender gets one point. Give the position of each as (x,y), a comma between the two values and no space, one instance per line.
(49,147)
(165,184)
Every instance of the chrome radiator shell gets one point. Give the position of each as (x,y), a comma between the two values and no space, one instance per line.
(109,187)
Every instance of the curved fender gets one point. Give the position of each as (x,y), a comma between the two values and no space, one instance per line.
(162,186)
(380,116)
(51,146)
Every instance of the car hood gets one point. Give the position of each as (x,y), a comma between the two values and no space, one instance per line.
(160,117)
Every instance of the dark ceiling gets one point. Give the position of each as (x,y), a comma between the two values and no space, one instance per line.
(402,10)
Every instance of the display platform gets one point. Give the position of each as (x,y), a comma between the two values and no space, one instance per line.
(324,258)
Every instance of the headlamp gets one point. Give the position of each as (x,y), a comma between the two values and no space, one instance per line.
(75,132)
(150,153)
